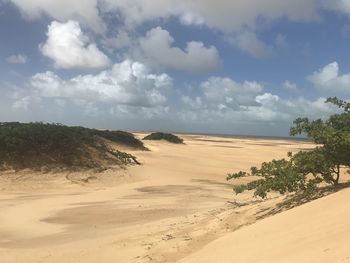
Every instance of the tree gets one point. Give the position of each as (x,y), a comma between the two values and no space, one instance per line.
(305,170)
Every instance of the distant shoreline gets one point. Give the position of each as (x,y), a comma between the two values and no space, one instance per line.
(239,136)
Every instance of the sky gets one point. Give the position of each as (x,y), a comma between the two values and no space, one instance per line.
(247,67)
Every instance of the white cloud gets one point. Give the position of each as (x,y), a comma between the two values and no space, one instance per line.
(225,15)
(290,86)
(273,108)
(22,103)
(157,46)
(144,113)
(268,109)
(245,106)
(121,40)
(328,79)
(195,103)
(230,93)
(128,83)
(69,48)
(129,91)
(230,17)
(248,42)
(326,74)
(342,6)
(189,19)
(17,59)
(267,99)
(85,11)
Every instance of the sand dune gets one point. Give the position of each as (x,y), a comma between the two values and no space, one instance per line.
(314,232)
(176,206)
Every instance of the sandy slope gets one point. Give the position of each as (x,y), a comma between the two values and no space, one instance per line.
(314,232)
(173,205)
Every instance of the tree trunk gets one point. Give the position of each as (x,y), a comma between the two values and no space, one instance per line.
(337,172)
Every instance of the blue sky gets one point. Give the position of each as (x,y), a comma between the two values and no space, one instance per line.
(233,67)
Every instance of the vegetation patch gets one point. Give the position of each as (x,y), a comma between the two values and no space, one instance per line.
(55,146)
(164,136)
(305,171)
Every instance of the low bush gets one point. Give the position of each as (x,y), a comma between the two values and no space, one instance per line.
(164,136)
(36,145)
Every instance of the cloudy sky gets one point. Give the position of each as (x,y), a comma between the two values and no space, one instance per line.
(210,66)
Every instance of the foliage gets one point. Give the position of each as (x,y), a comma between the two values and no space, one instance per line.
(306,170)
(164,136)
(120,137)
(34,145)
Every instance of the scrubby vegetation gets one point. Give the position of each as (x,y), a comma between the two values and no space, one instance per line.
(306,170)
(164,136)
(38,145)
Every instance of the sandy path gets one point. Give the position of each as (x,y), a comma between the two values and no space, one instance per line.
(171,206)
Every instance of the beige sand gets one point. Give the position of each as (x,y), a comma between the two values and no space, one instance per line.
(176,206)
(314,232)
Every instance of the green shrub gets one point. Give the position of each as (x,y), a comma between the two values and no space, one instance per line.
(164,136)
(306,170)
(34,145)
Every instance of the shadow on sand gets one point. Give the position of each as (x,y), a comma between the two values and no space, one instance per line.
(300,199)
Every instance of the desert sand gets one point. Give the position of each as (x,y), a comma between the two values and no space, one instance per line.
(175,207)
(318,231)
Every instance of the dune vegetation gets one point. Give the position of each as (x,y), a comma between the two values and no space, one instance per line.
(164,136)
(51,146)
(305,171)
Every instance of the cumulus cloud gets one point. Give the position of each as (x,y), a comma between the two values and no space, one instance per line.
(273,108)
(224,15)
(246,107)
(129,91)
(17,59)
(229,93)
(268,110)
(328,79)
(157,46)
(227,16)
(127,83)
(69,48)
(85,11)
